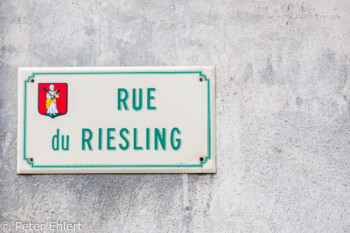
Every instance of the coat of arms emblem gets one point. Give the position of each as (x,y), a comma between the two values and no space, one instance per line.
(53,99)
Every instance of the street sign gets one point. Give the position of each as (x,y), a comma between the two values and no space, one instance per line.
(116,120)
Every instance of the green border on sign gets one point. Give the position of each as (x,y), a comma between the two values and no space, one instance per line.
(178,165)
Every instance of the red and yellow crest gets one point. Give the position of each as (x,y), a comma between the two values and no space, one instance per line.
(53,99)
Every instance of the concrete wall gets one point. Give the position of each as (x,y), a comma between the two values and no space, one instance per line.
(283,113)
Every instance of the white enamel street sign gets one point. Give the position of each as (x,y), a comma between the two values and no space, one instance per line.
(116,120)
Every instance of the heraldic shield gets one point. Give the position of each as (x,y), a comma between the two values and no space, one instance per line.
(53,99)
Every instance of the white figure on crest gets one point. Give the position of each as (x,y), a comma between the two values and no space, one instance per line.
(51,97)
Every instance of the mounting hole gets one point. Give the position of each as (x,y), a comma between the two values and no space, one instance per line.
(31,159)
(32,80)
(201,79)
(201,159)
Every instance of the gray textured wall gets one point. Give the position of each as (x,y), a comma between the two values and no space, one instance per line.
(283,113)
